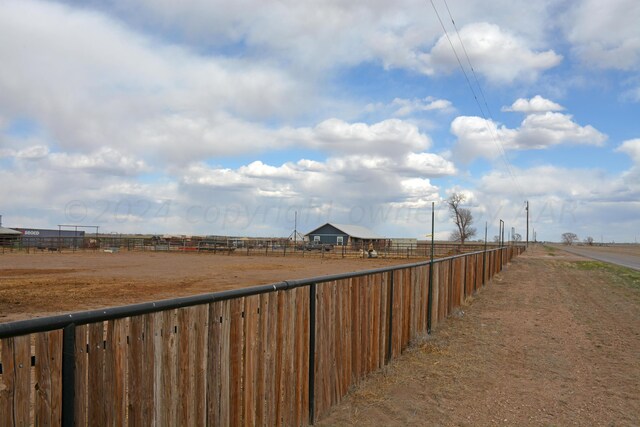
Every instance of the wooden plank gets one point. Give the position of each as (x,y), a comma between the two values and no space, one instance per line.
(158,368)
(135,378)
(323,309)
(140,367)
(384,320)
(48,378)
(424,285)
(97,411)
(356,304)
(168,374)
(334,340)
(408,306)
(299,364)
(303,366)
(236,350)
(115,371)
(397,314)
(81,381)
(200,329)
(435,295)
(366,325)
(15,386)
(261,368)
(148,368)
(282,299)
(251,304)
(185,366)
(375,315)
(218,363)
(271,393)
(292,389)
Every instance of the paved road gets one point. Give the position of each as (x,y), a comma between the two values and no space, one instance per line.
(629,259)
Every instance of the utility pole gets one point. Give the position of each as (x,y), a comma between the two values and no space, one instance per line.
(501,233)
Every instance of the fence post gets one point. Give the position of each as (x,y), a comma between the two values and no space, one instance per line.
(68,375)
(312,352)
(390,339)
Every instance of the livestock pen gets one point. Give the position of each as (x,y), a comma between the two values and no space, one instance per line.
(279,354)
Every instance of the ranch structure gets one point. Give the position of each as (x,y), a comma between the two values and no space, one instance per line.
(344,235)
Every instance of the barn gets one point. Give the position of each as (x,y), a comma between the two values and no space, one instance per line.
(8,236)
(47,238)
(344,235)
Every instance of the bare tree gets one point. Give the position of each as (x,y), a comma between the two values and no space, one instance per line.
(517,237)
(589,241)
(569,238)
(462,218)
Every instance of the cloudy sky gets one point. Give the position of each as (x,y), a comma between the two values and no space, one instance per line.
(227,117)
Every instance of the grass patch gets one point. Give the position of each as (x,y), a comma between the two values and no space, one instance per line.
(622,275)
(550,250)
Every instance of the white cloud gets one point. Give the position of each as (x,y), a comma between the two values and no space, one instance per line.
(365,189)
(499,55)
(391,137)
(90,82)
(605,34)
(478,137)
(33,152)
(429,164)
(325,34)
(631,148)
(585,201)
(537,104)
(103,161)
(406,107)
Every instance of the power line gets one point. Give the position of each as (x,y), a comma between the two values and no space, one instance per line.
(473,71)
(457,57)
(496,137)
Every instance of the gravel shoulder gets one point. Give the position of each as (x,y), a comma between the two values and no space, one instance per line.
(552,340)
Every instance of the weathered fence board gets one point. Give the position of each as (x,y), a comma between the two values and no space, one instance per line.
(48,393)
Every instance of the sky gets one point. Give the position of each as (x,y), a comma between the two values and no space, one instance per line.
(237,118)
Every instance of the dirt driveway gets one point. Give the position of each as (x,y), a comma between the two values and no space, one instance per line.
(553,340)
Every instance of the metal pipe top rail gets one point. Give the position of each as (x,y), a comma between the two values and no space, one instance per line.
(49,323)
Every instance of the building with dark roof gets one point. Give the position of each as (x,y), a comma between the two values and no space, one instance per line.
(344,235)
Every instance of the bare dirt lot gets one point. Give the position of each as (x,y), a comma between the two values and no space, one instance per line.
(553,340)
(36,285)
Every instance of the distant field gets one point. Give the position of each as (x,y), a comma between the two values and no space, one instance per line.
(35,285)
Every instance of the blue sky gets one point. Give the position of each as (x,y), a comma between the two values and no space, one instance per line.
(210,117)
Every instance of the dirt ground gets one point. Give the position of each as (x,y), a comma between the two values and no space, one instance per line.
(550,341)
(36,285)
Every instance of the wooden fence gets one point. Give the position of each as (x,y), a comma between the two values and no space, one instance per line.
(279,354)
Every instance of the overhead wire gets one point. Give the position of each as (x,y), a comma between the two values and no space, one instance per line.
(495,136)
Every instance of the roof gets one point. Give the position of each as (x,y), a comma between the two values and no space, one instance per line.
(356,231)
(5,231)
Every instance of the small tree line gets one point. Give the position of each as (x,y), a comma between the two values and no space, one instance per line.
(571,238)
